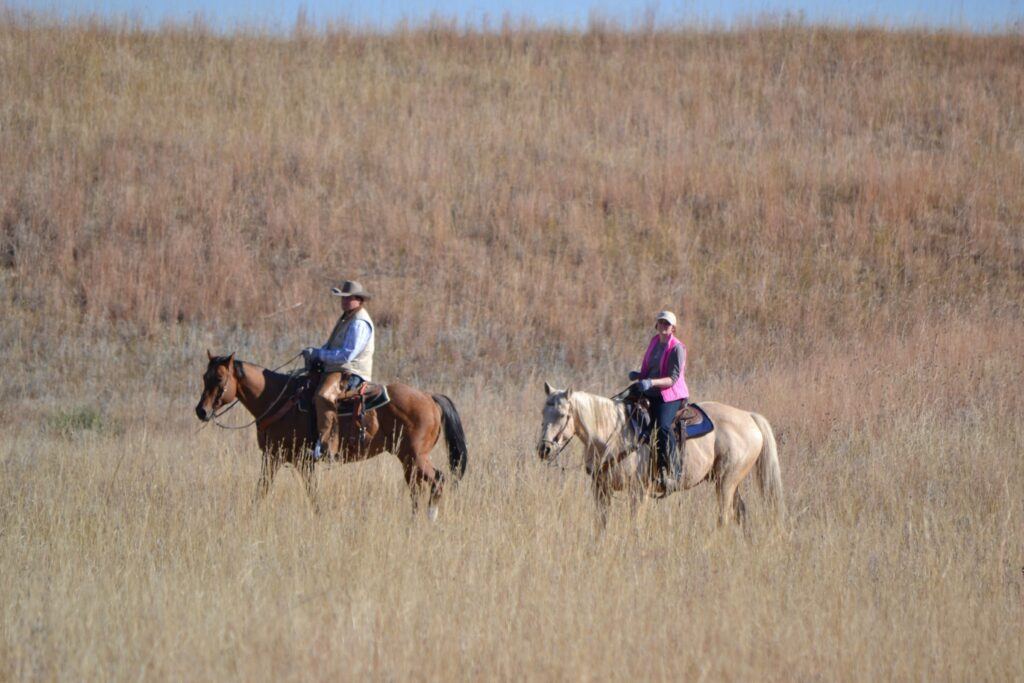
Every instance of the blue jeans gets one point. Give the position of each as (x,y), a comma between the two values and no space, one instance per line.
(663,441)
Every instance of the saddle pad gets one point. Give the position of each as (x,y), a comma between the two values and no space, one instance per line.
(372,403)
(704,426)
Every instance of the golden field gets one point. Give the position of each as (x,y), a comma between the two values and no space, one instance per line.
(836,213)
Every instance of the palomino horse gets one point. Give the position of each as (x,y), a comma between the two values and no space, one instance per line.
(615,462)
(409,427)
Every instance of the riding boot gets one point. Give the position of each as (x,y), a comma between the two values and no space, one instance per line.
(664,447)
(668,468)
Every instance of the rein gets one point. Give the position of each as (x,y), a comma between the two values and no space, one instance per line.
(272,403)
(553,460)
(621,395)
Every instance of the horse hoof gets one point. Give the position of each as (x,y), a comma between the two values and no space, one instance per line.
(432,513)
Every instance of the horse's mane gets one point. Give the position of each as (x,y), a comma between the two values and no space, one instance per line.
(600,417)
(240,365)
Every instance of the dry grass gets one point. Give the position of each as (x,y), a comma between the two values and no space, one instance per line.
(837,213)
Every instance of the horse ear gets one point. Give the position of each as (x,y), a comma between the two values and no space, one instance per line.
(209,355)
(548,389)
(231,362)
(568,393)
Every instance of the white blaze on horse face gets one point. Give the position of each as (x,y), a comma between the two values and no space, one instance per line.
(220,389)
(230,385)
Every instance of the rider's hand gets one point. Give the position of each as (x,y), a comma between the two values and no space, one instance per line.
(310,354)
(635,390)
(634,375)
(644,385)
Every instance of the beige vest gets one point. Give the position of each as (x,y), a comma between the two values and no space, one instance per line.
(362,364)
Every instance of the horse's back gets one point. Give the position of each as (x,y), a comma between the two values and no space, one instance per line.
(403,395)
(412,408)
(735,429)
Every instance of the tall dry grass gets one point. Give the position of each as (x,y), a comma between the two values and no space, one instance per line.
(836,213)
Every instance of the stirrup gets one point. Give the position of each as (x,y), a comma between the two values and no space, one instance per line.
(317,451)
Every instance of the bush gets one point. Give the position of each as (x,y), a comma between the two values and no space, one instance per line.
(72,422)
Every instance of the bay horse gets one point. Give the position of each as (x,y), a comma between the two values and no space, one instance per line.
(616,461)
(410,426)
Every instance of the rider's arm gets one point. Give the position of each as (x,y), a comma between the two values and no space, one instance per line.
(675,364)
(356,339)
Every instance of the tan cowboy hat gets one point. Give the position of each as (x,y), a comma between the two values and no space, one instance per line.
(667,316)
(350,288)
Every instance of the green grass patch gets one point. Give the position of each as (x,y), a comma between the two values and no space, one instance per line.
(74,421)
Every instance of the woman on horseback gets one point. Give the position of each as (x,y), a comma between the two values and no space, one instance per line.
(661,380)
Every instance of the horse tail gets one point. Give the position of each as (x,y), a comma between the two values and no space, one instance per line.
(458,454)
(769,475)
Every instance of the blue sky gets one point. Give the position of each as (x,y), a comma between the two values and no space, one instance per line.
(281,14)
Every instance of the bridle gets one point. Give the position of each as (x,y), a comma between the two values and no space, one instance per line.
(221,390)
(552,443)
(552,460)
(220,394)
(224,387)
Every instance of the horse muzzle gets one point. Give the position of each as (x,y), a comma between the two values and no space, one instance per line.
(203,413)
(544,450)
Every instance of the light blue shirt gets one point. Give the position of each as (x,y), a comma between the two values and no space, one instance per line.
(356,338)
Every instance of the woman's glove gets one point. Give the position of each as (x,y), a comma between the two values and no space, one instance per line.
(310,355)
(636,389)
(634,375)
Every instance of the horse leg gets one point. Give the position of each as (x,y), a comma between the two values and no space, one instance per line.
(436,489)
(414,480)
(268,468)
(635,498)
(725,490)
(419,470)
(305,467)
(636,488)
(415,477)
(739,509)
(602,498)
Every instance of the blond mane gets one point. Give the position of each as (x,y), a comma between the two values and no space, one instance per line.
(603,422)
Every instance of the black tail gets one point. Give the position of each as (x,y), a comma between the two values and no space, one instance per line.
(453,434)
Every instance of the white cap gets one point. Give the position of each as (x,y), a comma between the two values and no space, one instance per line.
(667,316)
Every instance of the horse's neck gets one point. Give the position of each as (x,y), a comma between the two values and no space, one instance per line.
(599,422)
(258,387)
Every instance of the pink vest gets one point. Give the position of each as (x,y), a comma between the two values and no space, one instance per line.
(677,390)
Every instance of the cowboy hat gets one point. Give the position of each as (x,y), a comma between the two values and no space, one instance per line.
(350,288)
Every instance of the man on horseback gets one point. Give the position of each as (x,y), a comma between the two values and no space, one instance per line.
(347,360)
(661,380)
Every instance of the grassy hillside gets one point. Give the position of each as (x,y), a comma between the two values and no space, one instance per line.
(796,184)
(837,215)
